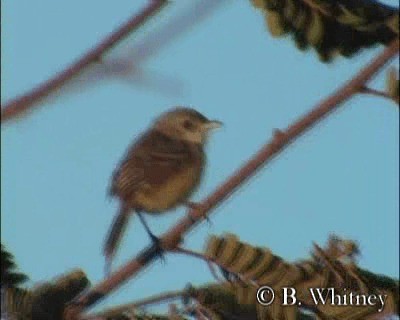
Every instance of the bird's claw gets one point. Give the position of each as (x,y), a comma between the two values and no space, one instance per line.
(157,244)
(208,220)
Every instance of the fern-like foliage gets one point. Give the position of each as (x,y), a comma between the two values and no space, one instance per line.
(10,277)
(226,301)
(50,299)
(333,267)
(220,301)
(332,28)
(16,304)
(393,84)
(46,301)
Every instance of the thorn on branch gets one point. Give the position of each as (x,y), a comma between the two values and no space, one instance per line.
(278,134)
(278,137)
(197,207)
(172,243)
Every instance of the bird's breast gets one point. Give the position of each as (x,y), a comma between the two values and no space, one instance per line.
(157,198)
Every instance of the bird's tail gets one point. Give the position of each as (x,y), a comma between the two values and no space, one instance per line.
(114,236)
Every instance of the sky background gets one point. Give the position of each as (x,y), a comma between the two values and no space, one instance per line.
(340,177)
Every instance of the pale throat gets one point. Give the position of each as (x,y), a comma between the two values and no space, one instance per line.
(198,137)
(195,137)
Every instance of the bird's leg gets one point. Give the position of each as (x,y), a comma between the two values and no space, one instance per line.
(196,206)
(154,239)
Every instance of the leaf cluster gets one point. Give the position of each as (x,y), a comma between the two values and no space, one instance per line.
(10,277)
(393,84)
(331,28)
(248,267)
(45,301)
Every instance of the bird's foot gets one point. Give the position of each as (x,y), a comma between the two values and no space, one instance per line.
(155,240)
(157,244)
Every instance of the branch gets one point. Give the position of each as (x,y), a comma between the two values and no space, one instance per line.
(280,141)
(163,297)
(201,256)
(124,64)
(116,311)
(26,101)
(211,263)
(192,253)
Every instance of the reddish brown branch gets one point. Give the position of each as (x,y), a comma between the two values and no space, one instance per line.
(280,141)
(26,101)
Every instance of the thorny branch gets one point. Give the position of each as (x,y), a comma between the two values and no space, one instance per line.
(115,311)
(165,297)
(280,141)
(24,102)
(211,263)
(125,63)
(198,255)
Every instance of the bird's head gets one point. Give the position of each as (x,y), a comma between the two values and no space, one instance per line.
(186,124)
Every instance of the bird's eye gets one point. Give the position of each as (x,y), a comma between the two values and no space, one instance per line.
(189,125)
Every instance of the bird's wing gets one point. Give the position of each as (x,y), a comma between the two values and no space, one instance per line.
(150,162)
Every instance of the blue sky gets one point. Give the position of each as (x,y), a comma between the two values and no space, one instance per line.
(340,177)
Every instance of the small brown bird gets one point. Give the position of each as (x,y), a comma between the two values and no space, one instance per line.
(160,170)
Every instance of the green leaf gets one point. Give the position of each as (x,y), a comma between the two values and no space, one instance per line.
(301,20)
(392,83)
(393,23)
(290,10)
(10,277)
(16,303)
(275,23)
(258,3)
(349,18)
(315,31)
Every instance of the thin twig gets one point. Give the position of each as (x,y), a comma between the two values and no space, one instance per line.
(173,237)
(199,309)
(115,311)
(191,253)
(26,101)
(375,92)
(211,263)
(318,8)
(326,12)
(198,255)
(214,272)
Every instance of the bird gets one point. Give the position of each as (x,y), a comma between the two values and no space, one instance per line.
(160,171)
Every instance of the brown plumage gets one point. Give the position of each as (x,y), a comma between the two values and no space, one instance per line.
(160,170)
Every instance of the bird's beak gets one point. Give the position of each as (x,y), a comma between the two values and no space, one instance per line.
(213,124)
